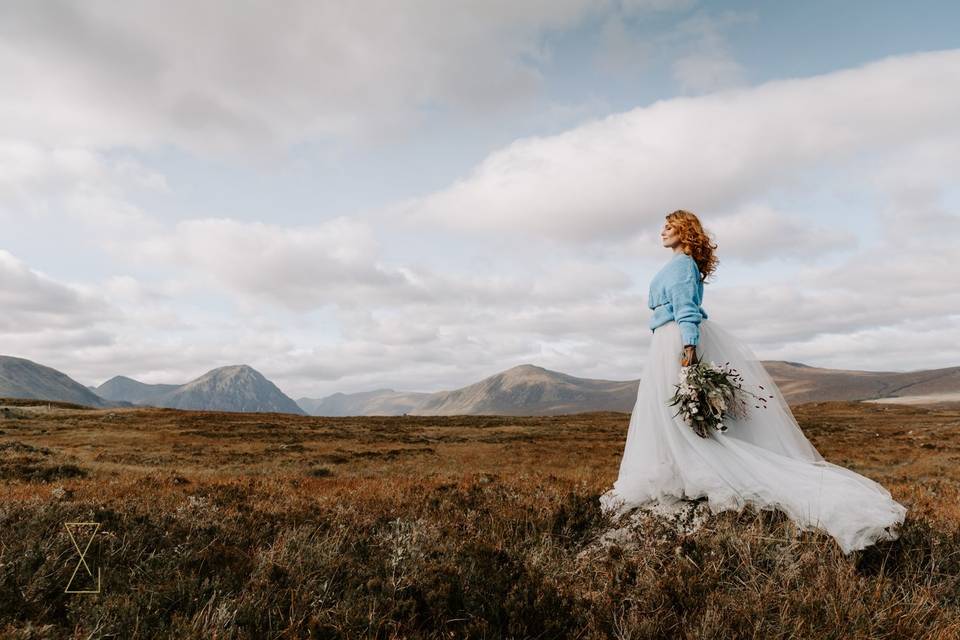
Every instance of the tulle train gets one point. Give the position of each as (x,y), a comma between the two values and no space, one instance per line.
(763,459)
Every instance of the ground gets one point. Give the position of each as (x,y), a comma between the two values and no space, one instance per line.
(268,525)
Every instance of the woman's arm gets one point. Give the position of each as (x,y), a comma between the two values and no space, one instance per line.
(686,311)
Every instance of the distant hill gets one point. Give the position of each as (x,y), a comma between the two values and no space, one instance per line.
(801,383)
(124,388)
(531,390)
(22,378)
(522,390)
(231,388)
(379,402)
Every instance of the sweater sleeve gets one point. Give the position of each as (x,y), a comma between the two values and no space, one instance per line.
(686,311)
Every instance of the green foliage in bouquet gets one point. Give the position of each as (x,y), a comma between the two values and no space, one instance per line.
(707,394)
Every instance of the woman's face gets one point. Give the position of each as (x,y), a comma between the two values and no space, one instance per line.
(669,235)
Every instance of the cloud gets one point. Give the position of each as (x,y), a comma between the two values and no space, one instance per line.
(709,64)
(695,48)
(620,50)
(909,346)
(608,178)
(299,267)
(704,71)
(446,345)
(224,79)
(890,303)
(34,302)
(346,304)
(340,262)
(90,329)
(644,6)
(757,233)
(76,187)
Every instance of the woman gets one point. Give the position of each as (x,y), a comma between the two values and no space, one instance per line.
(763,458)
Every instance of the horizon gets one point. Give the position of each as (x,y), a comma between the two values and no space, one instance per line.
(412,197)
(411,390)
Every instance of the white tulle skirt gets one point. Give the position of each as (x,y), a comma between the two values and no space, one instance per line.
(763,459)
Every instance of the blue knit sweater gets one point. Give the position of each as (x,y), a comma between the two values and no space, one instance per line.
(676,293)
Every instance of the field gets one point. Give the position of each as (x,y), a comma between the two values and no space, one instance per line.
(222,525)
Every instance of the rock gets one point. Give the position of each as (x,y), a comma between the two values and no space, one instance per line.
(682,516)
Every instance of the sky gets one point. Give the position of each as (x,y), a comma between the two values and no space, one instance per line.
(415,195)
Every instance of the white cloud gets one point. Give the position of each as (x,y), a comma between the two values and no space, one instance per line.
(218,77)
(614,176)
(912,345)
(446,345)
(757,233)
(321,308)
(890,304)
(299,267)
(33,302)
(64,185)
(340,262)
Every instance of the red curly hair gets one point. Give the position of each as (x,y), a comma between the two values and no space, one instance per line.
(694,241)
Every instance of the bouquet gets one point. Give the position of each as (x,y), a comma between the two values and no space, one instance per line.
(708,393)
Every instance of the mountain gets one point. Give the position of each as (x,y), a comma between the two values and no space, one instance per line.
(22,378)
(379,402)
(522,390)
(531,390)
(801,383)
(124,388)
(232,388)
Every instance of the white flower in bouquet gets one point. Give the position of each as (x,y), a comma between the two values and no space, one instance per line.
(707,393)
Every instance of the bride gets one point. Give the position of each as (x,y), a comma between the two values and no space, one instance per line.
(763,458)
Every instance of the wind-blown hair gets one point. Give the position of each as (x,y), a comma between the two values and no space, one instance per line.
(694,241)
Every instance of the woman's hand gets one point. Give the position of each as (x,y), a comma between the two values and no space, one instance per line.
(689,355)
